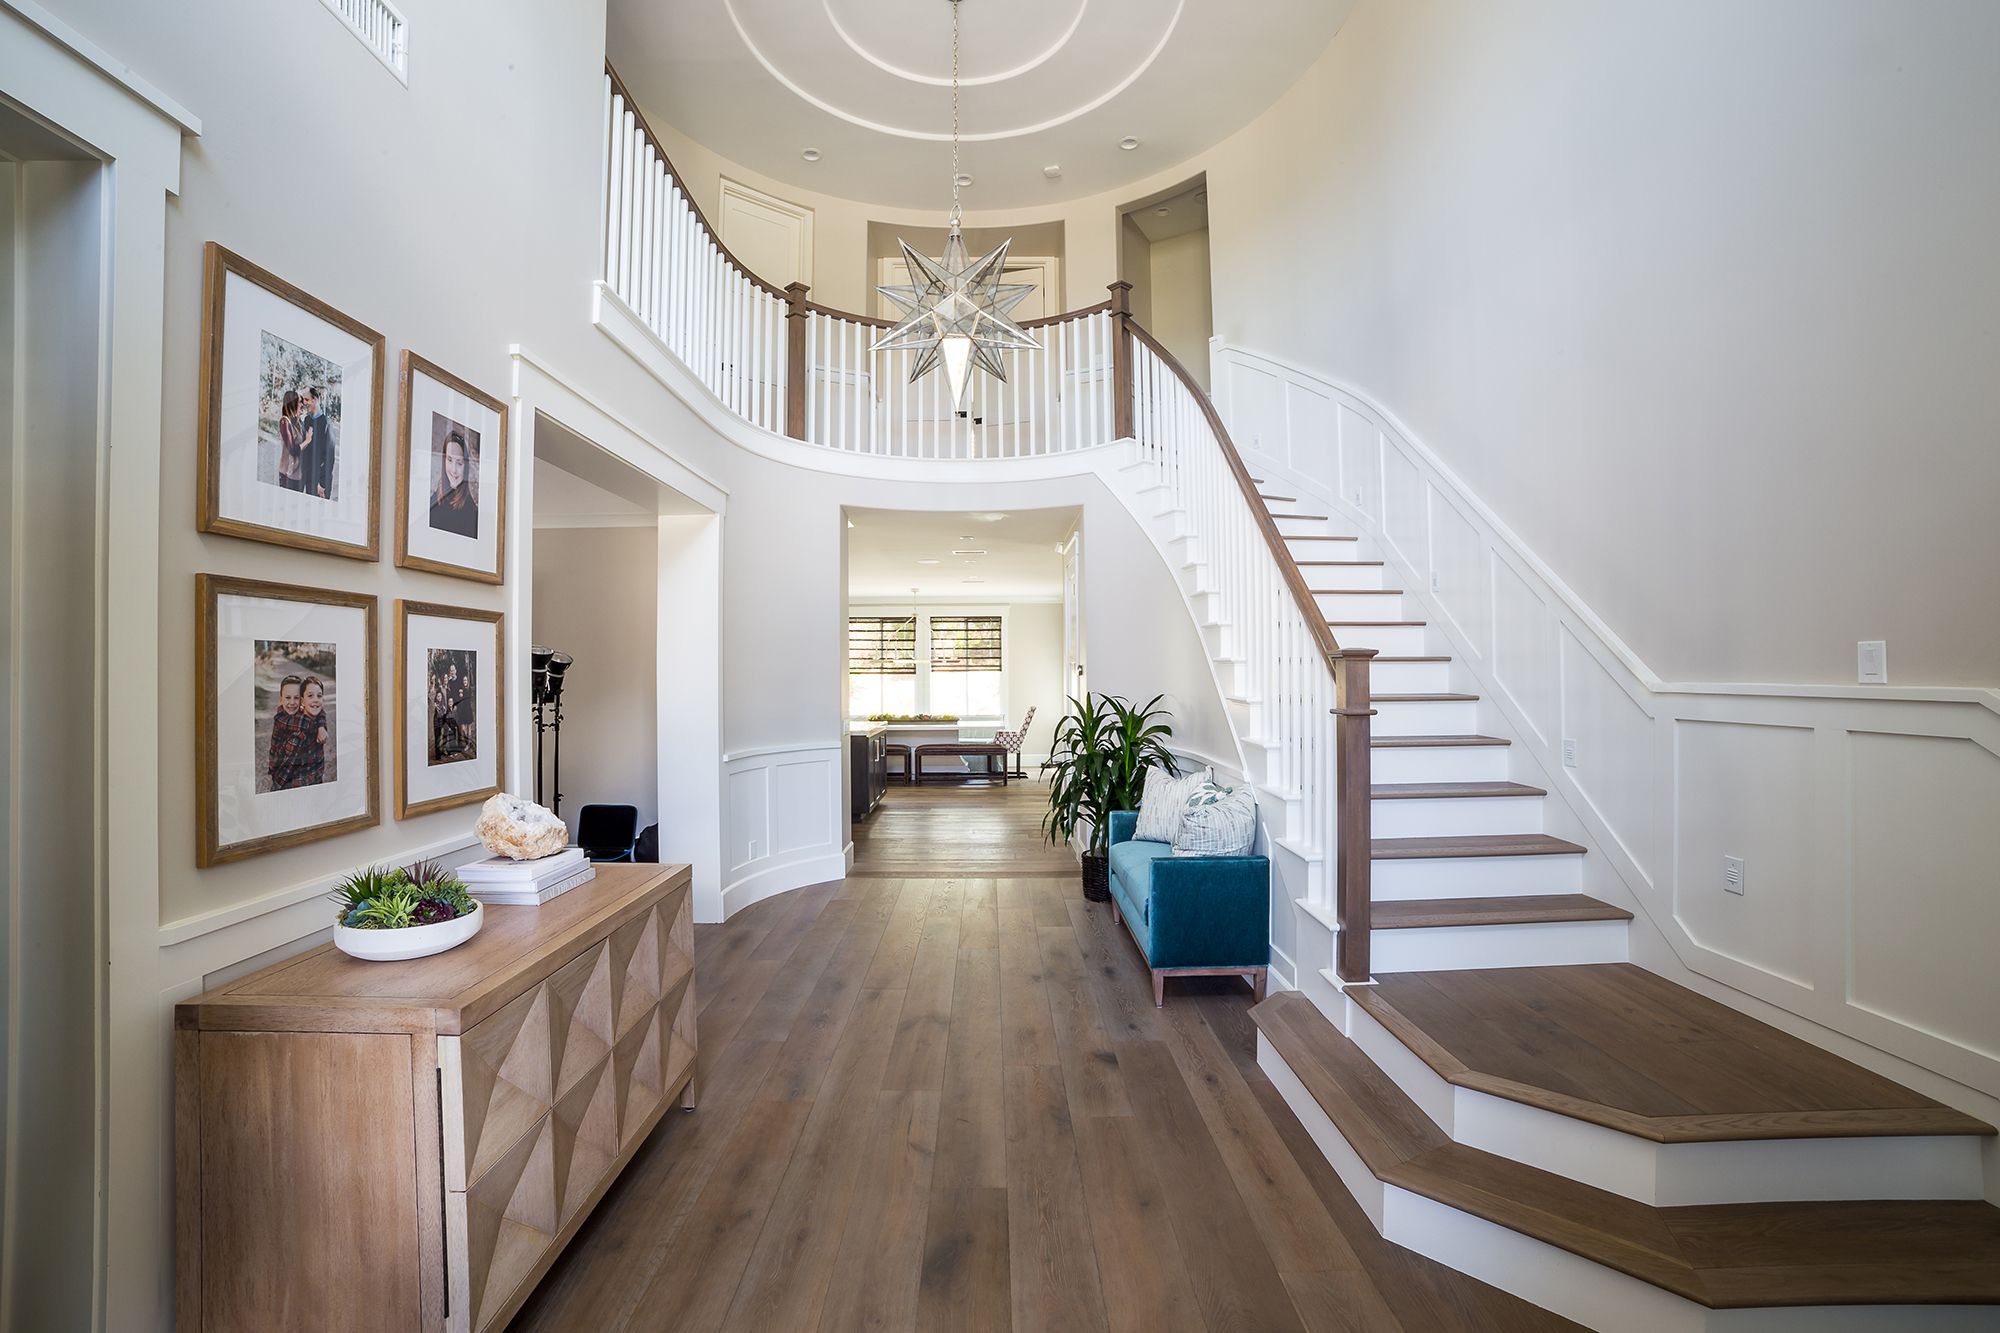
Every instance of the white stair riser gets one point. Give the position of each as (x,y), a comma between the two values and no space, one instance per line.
(1360,605)
(1541,944)
(1341,550)
(1395,640)
(1445,717)
(1475,877)
(1457,816)
(1409,677)
(1440,763)
(1589,1293)
(1338,578)
(1673,1174)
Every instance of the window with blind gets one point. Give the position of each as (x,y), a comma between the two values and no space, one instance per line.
(881,665)
(927,663)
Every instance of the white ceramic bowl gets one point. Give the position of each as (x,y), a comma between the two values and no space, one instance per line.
(388,946)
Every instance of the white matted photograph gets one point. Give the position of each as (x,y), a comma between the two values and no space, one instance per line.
(451,462)
(290,414)
(449,723)
(288,716)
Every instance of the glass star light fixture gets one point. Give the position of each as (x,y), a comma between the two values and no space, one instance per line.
(956,312)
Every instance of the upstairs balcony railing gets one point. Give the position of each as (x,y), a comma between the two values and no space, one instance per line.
(804,370)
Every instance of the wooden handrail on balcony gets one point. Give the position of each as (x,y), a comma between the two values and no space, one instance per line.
(1349,667)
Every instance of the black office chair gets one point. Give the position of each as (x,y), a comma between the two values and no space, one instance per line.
(648,849)
(607,832)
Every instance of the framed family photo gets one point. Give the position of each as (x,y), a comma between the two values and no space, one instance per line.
(291,411)
(287,710)
(450,727)
(451,466)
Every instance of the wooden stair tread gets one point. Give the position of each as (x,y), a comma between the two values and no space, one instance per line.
(1438,658)
(1371,624)
(1316,564)
(1444,791)
(1317,536)
(1359,592)
(1531,909)
(1432,742)
(1280,499)
(1618,1046)
(1721,1256)
(1310,518)
(1472,844)
(1424,698)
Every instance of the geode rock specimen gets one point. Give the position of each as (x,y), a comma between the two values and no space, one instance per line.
(510,826)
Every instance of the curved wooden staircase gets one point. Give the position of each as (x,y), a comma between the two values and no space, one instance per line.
(1498,1086)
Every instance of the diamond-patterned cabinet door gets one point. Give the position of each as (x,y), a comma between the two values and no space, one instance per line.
(676,922)
(677,1017)
(506,1082)
(581,1022)
(635,970)
(636,1067)
(586,1137)
(511,1217)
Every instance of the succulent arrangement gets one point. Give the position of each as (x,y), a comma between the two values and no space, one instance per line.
(379,898)
(913,717)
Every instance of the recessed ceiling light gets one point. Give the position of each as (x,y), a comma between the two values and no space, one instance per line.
(1128,143)
(810,155)
(972,580)
(965,536)
(969,552)
(1162,210)
(930,562)
(1053,171)
(964,179)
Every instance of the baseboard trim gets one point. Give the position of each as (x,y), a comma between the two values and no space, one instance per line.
(773,880)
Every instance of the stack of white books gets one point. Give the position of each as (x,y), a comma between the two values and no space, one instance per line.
(505,882)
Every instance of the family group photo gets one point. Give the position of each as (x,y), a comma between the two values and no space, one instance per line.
(454,705)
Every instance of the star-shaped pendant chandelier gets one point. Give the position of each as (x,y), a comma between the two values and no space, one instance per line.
(956,311)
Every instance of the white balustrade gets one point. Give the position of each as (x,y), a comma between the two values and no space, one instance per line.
(1276,663)
(730,330)
(381,28)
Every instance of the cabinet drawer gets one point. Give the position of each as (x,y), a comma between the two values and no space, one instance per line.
(503,1075)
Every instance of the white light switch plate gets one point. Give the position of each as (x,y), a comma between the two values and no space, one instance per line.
(1732,874)
(1871,662)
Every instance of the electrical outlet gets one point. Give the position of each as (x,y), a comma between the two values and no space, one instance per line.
(1732,874)
(1871,662)
(1569,752)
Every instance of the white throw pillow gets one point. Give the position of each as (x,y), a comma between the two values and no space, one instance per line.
(1164,803)
(1219,821)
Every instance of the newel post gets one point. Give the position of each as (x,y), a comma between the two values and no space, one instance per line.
(1355,891)
(796,372)
(1121,360)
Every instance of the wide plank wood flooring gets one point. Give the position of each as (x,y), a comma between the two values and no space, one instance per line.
(937,1095)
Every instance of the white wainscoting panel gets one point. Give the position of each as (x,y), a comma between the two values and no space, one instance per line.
(1868,818)
(782,819)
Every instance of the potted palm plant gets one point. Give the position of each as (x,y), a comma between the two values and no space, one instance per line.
(1102,749)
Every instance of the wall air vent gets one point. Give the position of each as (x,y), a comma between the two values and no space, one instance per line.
(381,28)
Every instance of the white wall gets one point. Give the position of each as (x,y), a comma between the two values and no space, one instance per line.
(1700,297)
(595,598)
(1183,312)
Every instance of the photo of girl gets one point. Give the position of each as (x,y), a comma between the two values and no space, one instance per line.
(294,725)
(455,473)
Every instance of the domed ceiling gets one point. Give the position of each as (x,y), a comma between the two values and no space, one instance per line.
(865,84)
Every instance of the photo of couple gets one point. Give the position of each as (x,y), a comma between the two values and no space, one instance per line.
(300,419)
(454,705)
(294,726)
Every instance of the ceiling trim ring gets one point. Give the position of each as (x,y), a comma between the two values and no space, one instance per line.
(944,80)
(933,136)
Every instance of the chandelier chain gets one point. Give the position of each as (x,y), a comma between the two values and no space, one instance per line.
(954,111)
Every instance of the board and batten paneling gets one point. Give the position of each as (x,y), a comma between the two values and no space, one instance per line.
(1864,815)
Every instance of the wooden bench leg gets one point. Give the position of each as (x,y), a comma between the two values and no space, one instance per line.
(1257,980)
(1116,919)
(1159,990)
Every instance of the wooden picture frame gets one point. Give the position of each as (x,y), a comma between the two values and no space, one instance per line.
(234,497)
(414,712)
(481,417)
(233,765)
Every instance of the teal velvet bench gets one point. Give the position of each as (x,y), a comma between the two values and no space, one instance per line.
(1192,916)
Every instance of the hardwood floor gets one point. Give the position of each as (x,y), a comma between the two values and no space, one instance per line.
(937,1095)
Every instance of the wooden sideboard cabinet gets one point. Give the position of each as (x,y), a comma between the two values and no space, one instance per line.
(382,1146)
